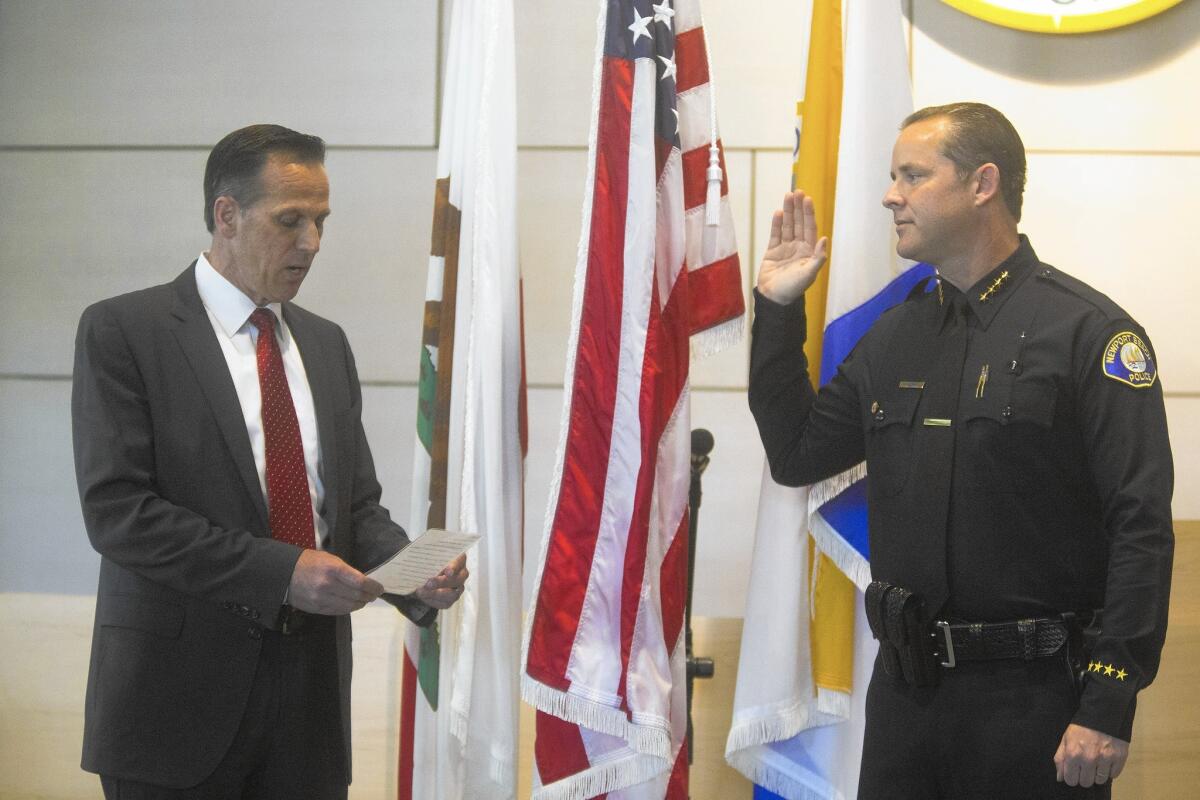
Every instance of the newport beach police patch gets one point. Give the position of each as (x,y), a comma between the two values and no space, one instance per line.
(1127,359)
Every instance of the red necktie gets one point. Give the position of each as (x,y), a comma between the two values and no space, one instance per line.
(287,480)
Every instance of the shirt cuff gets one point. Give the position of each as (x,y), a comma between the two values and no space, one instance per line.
(1108,709)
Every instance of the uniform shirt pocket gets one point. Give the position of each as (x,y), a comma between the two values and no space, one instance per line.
(891,441)
(1009,436)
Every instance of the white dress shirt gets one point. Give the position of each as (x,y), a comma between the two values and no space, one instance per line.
(229,312)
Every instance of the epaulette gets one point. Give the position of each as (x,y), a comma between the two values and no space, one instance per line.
(1069,283)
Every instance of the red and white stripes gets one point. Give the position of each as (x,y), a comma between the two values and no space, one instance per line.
(604,644)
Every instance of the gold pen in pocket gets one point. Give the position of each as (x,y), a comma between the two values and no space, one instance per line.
(979,387)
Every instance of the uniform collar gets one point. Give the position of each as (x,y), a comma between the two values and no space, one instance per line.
(993,290)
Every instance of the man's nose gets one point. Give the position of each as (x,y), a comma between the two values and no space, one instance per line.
(310,239)
(891,198)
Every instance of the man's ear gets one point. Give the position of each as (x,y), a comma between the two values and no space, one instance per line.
(987,183)
(226,216)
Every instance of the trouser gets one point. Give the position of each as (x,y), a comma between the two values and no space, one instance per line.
(289,743)
(988,730)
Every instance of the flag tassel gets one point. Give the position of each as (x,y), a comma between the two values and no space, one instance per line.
(712,200)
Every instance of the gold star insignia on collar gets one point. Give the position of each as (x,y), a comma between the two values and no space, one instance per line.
(1108,669)
(1121,674)
(991,290)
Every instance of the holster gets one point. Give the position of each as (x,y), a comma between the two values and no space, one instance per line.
(897,621)
(1082,632)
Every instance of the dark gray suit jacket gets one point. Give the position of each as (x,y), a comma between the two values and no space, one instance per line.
(189,574)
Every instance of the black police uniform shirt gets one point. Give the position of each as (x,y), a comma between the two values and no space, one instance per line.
(1017,456)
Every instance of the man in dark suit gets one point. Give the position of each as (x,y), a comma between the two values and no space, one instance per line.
(227,483)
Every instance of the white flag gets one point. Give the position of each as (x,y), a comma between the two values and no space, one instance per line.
(459,706)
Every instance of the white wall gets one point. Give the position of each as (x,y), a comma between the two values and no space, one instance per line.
(110,108)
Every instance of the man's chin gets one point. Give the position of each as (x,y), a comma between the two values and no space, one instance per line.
(287,292)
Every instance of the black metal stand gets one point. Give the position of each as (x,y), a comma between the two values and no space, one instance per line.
(697,667)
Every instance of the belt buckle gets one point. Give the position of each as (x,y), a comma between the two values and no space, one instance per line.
(944,627)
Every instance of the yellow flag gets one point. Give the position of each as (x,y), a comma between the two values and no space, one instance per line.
(818,126)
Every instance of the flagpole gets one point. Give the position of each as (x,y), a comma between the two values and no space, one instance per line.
(702,666)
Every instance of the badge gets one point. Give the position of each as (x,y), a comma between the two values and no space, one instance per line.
(1061,16)
(1127,359)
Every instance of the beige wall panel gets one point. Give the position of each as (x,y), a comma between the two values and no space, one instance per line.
(46,639)
(550,202)
(1183,420)
(145,72)
(1124,89)
(556,58)
(545,413)
(375,700)
(76,227)
(46,548)
(1126,225)
(556,52)
(390,420)
(758,55)
(725,538)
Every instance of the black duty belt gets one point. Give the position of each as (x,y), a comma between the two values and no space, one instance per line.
(912,649)
(1026,639)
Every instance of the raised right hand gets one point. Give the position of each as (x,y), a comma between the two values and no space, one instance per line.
(794,254)
(324,584)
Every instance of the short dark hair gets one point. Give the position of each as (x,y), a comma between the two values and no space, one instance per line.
(979,134)
(237,160)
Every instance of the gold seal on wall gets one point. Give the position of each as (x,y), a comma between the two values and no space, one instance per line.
(1061,16)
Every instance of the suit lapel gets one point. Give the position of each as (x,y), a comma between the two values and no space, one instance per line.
(316,366)
(194,332)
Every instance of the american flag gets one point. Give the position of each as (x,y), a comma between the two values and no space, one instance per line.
(657,276)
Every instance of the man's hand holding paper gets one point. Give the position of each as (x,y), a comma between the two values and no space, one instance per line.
(414,570)
(444,588)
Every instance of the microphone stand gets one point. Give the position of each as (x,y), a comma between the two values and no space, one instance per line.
(697,667)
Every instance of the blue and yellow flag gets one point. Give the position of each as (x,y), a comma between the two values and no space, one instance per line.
(798,712)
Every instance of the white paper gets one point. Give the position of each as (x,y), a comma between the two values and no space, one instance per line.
(422,559)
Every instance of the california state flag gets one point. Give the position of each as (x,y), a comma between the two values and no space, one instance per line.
(458,730)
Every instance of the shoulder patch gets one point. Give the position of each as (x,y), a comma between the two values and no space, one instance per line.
(1127,359)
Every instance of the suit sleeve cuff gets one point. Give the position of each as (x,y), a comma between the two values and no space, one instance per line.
(417,612)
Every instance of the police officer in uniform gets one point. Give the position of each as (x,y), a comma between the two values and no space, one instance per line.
(1019,480)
